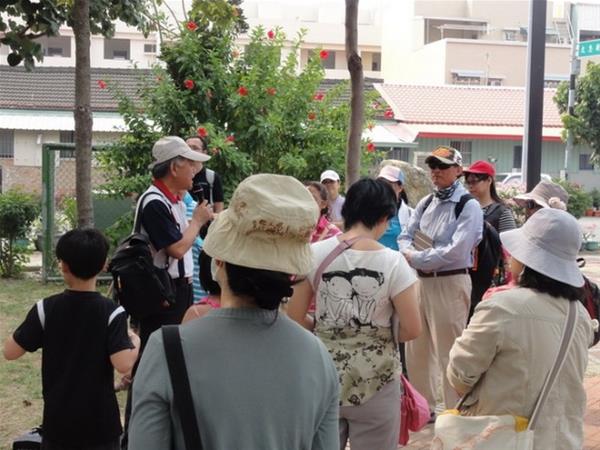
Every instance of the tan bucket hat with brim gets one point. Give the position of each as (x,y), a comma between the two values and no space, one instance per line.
(267,226)
(548,243)
(542,194)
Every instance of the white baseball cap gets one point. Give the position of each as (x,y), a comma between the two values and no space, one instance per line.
(169,147)
(330,175)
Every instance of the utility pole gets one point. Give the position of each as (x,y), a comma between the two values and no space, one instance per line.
(575,69)
(534,94)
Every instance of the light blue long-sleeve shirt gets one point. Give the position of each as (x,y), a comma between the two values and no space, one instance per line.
(453,238)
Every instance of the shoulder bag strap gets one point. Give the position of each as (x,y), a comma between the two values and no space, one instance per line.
(565,343)
(182,394)
(343,245)
(137,221)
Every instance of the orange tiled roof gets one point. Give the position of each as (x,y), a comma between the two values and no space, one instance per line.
(464,105)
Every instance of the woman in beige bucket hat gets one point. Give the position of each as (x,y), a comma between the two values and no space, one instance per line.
(258,380)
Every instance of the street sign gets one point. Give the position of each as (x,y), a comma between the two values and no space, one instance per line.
(588,48)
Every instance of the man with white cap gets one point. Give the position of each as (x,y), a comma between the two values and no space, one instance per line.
(331,180)
(439,243)
(164,221)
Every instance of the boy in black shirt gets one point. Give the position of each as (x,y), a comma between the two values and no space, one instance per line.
(83,336)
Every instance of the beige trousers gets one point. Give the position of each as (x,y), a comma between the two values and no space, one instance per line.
(444,304)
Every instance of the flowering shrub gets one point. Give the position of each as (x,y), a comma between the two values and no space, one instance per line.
(507,193)
(258,112)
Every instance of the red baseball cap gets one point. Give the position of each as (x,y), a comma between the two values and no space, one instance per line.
(482,167)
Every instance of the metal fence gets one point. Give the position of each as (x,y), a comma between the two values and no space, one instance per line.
(58,201)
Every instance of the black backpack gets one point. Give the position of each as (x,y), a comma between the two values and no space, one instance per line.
(138,285)
(488,253)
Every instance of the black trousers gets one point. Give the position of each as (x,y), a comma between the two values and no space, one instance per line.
(148,325)
(111,445)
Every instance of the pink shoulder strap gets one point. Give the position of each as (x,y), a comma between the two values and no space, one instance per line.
(343,245)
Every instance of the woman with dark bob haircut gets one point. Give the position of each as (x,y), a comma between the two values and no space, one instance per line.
(248,365)
(356,295)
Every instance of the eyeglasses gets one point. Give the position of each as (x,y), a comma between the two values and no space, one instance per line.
(475,179)
(433,165)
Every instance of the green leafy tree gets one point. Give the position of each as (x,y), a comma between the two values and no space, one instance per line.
(17,213)
(585,123)
(258,110)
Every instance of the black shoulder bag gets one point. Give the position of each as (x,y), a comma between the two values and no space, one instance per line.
(182,394)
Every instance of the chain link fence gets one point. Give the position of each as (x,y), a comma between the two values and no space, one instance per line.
(59,207)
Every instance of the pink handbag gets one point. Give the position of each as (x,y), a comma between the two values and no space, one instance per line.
(414,411)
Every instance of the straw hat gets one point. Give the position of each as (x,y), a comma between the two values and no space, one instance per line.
(548,243)
(267,226)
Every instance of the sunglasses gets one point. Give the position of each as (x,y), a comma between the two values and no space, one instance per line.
(433,165)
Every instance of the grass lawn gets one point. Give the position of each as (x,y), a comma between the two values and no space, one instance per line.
(20,380)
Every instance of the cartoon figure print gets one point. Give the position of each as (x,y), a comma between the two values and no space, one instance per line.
(336,293)
(365,284)
(349,296)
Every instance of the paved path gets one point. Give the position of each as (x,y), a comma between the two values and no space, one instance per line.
(421,440)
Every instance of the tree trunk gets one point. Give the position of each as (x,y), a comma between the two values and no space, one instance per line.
(83,114)
(357,99)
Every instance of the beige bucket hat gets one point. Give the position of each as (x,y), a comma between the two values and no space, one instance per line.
(267,226)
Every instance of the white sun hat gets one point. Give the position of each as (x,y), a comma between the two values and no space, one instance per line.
(548,243)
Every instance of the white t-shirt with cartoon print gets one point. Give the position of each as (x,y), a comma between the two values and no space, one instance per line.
(354,315)
(357,287)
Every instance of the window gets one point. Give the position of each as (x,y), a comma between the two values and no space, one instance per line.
(57,46)
(67,137)
(466,80)
(116,48)
(494,82)
(150,48)
(376,62)
(517,155)
(329,62)
(584,162)
(398,153)
(464,147)
(7,143)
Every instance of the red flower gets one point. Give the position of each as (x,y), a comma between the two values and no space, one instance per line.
(312,116)
(202,132)
(189,84)
(230,138)
(242,91)
(215,151)
(271,34)
(191,26)
(389,113)
(323,54)
(370,147)
(271,91)
(102,84)
(318,96)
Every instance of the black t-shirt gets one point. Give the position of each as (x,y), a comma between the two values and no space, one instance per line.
(217,188)
(77,331)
